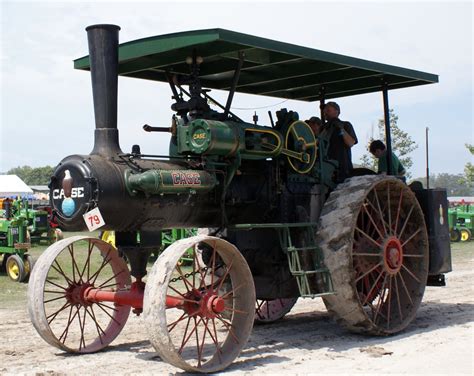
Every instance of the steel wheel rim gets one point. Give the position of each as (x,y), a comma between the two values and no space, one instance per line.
(77,325)
(390,256)
(206,341)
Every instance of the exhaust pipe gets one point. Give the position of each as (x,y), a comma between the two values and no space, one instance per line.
(103,57)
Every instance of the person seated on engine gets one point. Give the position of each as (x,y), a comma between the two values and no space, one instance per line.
(315,124)
(341,137)
(379,151)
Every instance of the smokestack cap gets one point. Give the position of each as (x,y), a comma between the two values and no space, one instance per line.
(103,26)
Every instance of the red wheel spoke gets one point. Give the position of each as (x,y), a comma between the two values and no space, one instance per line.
(99,329)
(225,275)
(185,281)
(405,287)
(368,272)
(185,340)
(372,221)
(173,324)
(69,321)
(55,292)
(373,311)
(409,272)
(389,298)
(398,210)
(60,271)
(219,350)
(53,299)
(113,277)
(87,263)
(214,339)
(411,237)
(203,276)
(184,335)
(365,254)
(202,342)
(231,292)
(53,315)
(75,267)
(55,284)
(101,306)
(398,298)
(373,287)
(105,261)
(380,211)
(368,237)
(399,236)
(82,325)
(228,327)
(183,298)
(382,297)
(111,285)
(237,310)
(213,264)
(409,255)
(389,210)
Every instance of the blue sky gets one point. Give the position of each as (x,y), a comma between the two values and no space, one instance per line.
(46,105)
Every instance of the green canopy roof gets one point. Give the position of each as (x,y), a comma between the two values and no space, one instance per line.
(271,68)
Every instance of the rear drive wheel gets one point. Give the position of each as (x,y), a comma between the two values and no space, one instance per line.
(373,235)
(268,311)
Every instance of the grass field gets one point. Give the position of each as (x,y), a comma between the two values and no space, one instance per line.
(13,294)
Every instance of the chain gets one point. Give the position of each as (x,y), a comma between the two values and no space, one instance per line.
(187,275)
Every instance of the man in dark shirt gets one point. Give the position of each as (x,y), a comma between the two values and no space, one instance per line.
(341,137)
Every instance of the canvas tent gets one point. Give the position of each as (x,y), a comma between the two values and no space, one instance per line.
(13,186)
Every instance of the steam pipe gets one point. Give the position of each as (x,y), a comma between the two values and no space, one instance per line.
(103,58)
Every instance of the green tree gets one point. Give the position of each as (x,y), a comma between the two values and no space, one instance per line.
(468,177)
(402,145)
(33,176)
(454,184)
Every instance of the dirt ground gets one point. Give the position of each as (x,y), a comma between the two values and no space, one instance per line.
(439,341)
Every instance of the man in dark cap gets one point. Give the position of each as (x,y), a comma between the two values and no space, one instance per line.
(315,124)
(341,137)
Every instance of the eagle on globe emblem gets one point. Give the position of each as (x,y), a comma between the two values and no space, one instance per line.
(68,205)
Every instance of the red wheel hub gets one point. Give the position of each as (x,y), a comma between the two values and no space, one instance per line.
(393,255)
(76,294)
(203,303)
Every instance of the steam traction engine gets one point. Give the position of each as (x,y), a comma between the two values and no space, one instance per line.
(278,226)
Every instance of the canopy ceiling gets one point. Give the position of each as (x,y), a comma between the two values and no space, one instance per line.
(271,68)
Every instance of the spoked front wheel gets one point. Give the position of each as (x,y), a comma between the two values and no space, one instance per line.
(200,316)
(58,288)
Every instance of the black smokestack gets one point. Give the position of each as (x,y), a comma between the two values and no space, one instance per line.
(103,57)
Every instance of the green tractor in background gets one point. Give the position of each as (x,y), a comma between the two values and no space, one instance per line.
(14,244)
(461,222)
(40,226)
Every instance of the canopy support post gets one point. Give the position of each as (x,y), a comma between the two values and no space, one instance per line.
(235,80)
(388,137)
(322,92)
